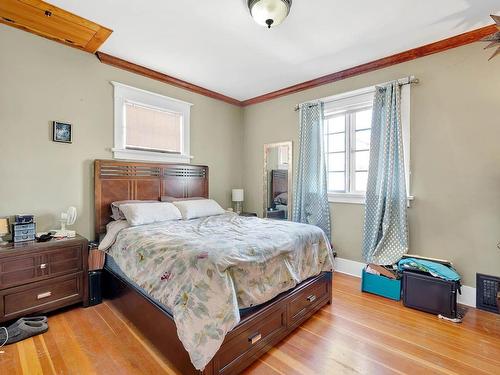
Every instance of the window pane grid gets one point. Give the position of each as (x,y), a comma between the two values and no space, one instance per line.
(363,118)
(335,124)
(361,140)
(347,150)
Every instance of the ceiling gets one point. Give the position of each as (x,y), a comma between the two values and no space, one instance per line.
(216,44)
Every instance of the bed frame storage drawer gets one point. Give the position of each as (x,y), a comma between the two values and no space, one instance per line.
(306,300)
(273,324)
(249,338)
(46,295)
(270,320)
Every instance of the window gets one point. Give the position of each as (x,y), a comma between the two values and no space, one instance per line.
(347,132)
(283,157)
(150,126)
(348,170)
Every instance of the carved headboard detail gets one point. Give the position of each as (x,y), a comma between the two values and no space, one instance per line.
(122,180)
(279,180)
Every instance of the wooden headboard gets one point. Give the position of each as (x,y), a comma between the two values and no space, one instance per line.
(123,180)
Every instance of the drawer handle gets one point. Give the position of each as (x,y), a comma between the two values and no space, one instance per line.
(43,266)
(44,295)
(311,298)
(255,338)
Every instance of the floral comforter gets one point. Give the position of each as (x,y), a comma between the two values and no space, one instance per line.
(205,270)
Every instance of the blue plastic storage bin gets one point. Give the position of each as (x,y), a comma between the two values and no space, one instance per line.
(381,285)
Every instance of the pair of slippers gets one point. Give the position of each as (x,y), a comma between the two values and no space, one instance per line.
(22,329)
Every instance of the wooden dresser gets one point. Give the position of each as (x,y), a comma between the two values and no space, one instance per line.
(41,277)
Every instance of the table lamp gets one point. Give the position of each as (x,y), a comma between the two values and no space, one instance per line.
(238,195)
(4,230)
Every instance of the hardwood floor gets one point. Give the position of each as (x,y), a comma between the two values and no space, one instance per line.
(357,333)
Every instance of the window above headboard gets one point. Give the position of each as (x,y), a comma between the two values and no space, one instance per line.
(150,126)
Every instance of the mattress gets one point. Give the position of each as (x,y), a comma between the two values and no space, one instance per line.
(111,266)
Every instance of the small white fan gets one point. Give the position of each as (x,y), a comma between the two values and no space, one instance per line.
(67,218)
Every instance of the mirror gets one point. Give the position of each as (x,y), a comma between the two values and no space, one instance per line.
(278,180)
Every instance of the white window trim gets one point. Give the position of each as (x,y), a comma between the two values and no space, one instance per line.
(351,100)
(124,93)
(354,198)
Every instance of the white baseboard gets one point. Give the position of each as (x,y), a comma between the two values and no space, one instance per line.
(349,267)
(354,268)
(468,296)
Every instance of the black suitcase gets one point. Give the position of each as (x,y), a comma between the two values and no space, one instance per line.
(431,294)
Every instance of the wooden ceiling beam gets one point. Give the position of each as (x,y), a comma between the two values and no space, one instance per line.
(51,22)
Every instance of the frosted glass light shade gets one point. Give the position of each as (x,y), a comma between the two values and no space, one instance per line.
(238,195)
(269,12)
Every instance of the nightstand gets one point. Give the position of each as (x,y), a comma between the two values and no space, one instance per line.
(41,277)
(276,214)
(248,214)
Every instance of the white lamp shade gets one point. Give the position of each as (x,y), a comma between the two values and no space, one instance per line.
(264,10)
(238,195)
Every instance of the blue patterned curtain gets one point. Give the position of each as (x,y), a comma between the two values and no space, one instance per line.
(310,200)
(385,237)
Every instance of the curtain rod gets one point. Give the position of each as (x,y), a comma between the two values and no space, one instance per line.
(402,81)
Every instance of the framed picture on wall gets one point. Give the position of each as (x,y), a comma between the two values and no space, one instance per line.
(62,132)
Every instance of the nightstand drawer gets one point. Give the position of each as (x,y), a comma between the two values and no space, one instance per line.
(276,214)
(42,296)
(19,270)
(25,269)
(62,261)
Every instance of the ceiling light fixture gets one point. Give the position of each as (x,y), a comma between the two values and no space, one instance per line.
(269,12)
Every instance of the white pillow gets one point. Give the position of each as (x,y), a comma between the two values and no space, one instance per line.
(112,230)
(199,208)
(115,208)
(148,213)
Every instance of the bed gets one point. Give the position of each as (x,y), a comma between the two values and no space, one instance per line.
(258,327)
